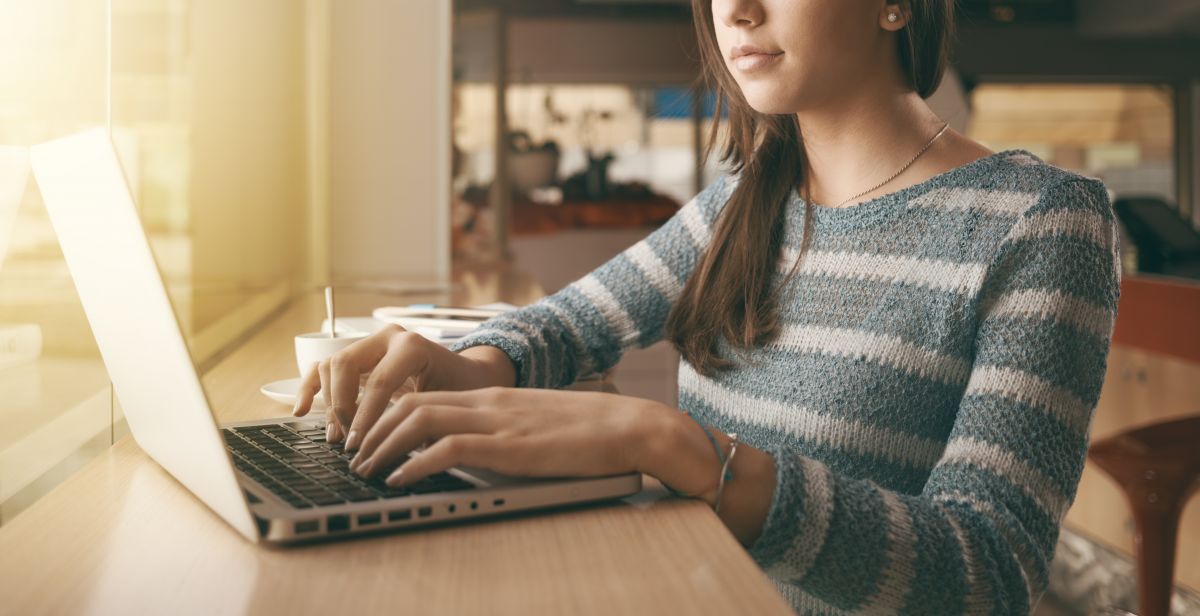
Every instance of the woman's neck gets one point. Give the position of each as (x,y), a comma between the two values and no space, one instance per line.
(857,142)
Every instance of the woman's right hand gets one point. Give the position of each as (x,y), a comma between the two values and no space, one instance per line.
(394,361)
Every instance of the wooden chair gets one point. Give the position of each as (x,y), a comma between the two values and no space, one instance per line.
(1158,468)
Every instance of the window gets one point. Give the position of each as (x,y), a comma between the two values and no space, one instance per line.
(1122,134)
(209,113)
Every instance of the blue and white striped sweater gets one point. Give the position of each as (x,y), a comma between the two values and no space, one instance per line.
(928,398)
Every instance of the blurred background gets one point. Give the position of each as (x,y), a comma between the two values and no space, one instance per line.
(279,145)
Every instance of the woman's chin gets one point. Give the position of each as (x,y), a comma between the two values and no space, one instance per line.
(771,106)
(766,99)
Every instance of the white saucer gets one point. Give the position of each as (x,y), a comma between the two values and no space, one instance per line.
(284,392)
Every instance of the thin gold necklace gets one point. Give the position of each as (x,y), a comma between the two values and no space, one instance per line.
(894,175)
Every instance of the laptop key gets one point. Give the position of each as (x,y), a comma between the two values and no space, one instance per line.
(307,482)
(276,488)
(329,500)
(271,465)
(359,496)
(387,492)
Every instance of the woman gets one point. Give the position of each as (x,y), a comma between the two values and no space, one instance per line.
(906,331)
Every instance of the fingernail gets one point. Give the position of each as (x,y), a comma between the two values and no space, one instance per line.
(352,440)
(396,479)
(329,432)
(355,460)
(365,468)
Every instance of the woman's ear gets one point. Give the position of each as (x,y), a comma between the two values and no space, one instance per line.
(894,16)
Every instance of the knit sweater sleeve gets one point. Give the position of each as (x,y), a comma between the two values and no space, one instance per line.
(586,326)
(980,535)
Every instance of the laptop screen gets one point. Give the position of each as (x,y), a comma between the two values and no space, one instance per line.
(93,214)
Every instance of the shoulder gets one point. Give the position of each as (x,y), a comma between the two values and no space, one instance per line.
(1049,188)
(714,196)
(1060,202)
(1066,235)
(1003,187)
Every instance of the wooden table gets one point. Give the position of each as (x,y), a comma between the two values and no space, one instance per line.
(121,536)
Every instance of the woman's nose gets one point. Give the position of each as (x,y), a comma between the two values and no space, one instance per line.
(738,13)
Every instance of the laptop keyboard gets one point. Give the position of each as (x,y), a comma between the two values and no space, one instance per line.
(293,461)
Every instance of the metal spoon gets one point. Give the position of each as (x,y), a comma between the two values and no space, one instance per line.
(329,312)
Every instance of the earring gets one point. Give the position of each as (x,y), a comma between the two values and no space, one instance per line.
(892,17)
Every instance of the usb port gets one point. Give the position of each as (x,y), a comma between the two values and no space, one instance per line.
(425,512)
(399,515)
(499,502)
(307,526)
(338,523)
(367,519)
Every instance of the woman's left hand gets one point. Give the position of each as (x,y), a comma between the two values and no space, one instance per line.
(537,432)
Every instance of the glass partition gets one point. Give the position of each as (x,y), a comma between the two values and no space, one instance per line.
(212,113)
(57,407)
(210,117)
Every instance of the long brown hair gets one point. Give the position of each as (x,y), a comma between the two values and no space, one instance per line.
(729,294)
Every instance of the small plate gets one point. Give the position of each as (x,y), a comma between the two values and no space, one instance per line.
(284,392)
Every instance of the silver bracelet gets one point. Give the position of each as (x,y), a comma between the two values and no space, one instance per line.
(733,444)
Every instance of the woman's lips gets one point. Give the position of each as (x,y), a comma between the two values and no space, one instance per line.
(752,57)
(754,61)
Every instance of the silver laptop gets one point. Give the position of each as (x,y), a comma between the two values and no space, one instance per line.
(273,480)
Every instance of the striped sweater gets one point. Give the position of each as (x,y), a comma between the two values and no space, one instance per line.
(928,397)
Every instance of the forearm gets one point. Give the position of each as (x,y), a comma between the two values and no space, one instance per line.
(683,457)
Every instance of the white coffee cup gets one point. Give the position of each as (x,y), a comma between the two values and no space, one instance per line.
(313,347)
